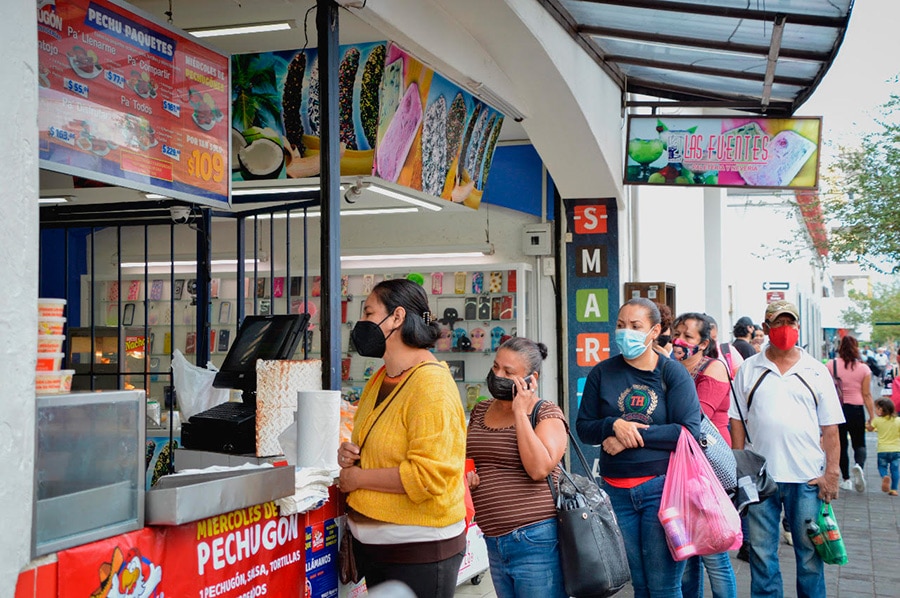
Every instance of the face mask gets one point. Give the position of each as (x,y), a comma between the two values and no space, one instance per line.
(631,342)
(663,339)
(368,338)
(500,388)
(681,349)
(784,337)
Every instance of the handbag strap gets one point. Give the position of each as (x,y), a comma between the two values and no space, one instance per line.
(573,443)
(834,368)
(394,393)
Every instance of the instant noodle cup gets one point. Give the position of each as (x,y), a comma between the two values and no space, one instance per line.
(51,325)
(51,343)
(49,362)
(51,308)
(52,383)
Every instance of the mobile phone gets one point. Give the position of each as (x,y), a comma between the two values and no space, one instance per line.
(529,381)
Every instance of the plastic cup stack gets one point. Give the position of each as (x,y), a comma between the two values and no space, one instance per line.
(49,378)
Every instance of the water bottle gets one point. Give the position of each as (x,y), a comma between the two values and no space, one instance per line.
(672,522)
(815,534)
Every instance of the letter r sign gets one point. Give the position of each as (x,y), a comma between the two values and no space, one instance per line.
(589,220)
(591,348)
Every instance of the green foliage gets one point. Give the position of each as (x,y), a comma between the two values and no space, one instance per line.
(867,201)
(255,97)
(882,305)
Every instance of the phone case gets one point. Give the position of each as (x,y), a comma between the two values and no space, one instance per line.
(345,285)
(167,343)
(134,290)
(278,282)
(156,290)
(152,314)
(511,281)
(459,283)
(225,312)
(368,283)
(478,282)
(214,285)
(224,335)
(496,334)
(179,288)
(471,309)
(477,337)
(507,307)
(437,283)
(190,345)
(128,315)
(212,340)
(484,308)
(495,284)
(316,286)
(260,288)
(296,286)
(495,308)
(112,290)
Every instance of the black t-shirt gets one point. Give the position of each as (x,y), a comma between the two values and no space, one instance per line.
(744,348)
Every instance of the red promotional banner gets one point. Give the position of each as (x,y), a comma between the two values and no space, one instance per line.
(132,102)
(245,553)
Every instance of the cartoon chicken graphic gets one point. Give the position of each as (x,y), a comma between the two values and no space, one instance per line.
(128,576)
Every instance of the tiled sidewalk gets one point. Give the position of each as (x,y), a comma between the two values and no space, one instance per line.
(870,524)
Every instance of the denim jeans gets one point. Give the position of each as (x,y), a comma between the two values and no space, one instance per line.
(890,461)
(653,570)
(800,502)
(721,576)
(525,562)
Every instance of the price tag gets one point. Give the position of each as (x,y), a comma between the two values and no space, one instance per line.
(172,108)
(115,78)
(171,152)
(62,135)
(76,87)
(206,166)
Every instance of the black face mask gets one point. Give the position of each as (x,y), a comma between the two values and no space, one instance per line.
(663,339)
(501,389)
(368,338)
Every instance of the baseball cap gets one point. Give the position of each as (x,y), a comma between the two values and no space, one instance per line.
(776,308)
(744,321)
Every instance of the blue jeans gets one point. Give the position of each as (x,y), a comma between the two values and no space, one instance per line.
(800,502)
(653,570)
(890,461)
(721,576)
(525,562)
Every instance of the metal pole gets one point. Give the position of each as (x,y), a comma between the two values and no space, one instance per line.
(330,238)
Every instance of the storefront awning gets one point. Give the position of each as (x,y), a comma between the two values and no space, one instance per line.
(766,57)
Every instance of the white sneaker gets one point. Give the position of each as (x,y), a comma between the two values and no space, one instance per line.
(859,482)
(787,538)
(847,485)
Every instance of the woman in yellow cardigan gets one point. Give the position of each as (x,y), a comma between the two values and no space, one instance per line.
(403,470)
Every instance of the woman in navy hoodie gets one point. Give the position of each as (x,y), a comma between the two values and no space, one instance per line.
(634,405)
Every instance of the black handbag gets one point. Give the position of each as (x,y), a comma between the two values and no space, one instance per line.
(592,550)
(754,484)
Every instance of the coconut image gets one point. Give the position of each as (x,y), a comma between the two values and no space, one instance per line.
(261,159)
(237,144)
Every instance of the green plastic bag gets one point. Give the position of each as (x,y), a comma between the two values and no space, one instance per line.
(832,550)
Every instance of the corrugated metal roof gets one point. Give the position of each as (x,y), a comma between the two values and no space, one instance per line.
(763,56)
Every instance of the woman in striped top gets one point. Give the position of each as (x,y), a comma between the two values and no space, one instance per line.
(513,504)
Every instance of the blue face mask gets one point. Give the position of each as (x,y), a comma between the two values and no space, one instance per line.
(631,342)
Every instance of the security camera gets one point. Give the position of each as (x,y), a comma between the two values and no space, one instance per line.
(180,214)
(518,119)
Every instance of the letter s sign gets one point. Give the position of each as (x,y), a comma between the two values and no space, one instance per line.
(589,220)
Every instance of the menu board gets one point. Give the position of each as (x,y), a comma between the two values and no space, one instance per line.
(128,101)
(746,151)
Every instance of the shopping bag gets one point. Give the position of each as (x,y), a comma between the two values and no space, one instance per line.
(696,513)
(832,549)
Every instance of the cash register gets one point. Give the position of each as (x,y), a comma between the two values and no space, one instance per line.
(231,427)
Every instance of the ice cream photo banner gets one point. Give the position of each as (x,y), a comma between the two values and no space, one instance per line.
(400,121)
(757,152)
(127,100)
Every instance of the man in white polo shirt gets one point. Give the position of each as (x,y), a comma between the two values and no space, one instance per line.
(787,410)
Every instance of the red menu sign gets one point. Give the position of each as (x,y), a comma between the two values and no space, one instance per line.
(129,101)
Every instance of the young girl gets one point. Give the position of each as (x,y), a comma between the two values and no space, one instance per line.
(888,426)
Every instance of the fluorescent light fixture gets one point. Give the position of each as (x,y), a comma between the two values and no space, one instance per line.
(360,212)
(184,263)
(273,190)
(50,200)
(156,196)
(406,253)
(241,29)
(403,197)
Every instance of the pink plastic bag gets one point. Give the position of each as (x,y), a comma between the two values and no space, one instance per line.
(697,515)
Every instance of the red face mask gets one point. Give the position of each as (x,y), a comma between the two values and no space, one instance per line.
(784,337)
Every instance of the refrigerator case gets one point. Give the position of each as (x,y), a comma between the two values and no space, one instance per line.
(89,468)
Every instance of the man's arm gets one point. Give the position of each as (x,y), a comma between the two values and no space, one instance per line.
(738,437)
(828,482)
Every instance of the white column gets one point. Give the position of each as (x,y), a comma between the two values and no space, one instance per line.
(18,273)
(716,297)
